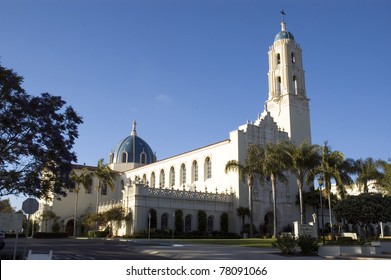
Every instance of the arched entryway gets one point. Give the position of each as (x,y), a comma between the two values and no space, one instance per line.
(69,227)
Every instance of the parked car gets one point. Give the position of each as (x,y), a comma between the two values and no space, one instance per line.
(2,240)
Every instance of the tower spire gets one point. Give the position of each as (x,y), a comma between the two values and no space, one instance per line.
(134,133)
(283,28)
(283,15)
(288,103)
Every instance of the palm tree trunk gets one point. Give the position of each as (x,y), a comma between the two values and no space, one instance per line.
(97,197)
(273,179)
(328,184)
(300,185)
(251,210)
(97,203)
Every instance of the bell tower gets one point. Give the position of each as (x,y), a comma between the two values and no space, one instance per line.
(287,100)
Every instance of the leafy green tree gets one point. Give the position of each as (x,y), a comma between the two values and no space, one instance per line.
(115,214)
(37,134)
(30,226)
(386,180)
(248,171)
(94,218)
(56,227)
(83,178)
(367,170)
(364,209)
(302,160)
(105,178)
(5,206)
(48,216)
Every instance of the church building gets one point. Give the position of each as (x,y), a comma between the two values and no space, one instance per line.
(196,180)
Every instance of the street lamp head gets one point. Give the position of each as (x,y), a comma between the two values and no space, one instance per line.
(320,181)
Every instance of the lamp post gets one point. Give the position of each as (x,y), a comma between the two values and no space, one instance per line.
(173,228)
(320,183)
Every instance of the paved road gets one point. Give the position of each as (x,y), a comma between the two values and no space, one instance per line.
(189,251)
(79,249)
(125,249)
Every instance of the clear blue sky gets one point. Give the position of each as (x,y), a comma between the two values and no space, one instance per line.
(192,71)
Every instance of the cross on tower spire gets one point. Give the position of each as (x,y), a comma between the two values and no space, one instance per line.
(283,15)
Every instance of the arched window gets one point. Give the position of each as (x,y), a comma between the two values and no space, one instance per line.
(194,172)
(278,58)
(183,174)
(124,157)
(295,84)
(153,180)
(164,221)
(143,158)
(103,190)
(208,168)
(162,181)
(279,85)
(188,223)
(172,176)
(210,223)
(293,59)
(144,179)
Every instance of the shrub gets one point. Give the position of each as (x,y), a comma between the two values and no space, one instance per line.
(224,224)
(56,227)
(97,233)
(286,243)
(308,244)
(202,221)
(153,218)
(179,225)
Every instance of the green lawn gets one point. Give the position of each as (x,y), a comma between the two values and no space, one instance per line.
(249,242)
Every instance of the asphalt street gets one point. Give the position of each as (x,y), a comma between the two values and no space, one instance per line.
(140,249)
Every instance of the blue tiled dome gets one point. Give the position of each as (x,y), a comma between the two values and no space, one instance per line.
(284,35)
(133,149)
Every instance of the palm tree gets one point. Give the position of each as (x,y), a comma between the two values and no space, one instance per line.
(367,170)
(275,162)
(85,179)
(251,168)
(105,178)
(243,212)
(333,166)
(302,160)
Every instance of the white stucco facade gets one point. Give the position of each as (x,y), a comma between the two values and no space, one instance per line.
(196,180)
